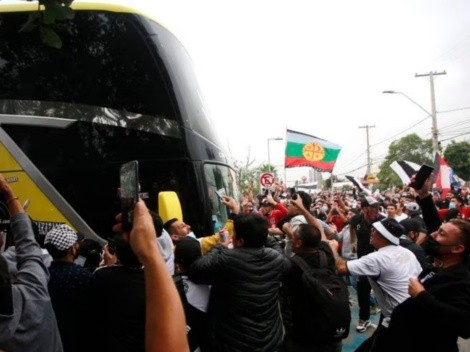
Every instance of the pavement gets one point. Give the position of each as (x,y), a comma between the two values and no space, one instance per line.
(355,338)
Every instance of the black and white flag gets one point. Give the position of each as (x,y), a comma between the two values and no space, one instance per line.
(405,170)
(358,184)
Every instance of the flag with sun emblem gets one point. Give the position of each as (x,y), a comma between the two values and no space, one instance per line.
(305,150)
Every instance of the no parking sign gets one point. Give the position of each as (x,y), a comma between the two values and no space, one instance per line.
(266,179)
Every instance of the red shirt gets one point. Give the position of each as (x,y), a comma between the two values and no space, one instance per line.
(278,213)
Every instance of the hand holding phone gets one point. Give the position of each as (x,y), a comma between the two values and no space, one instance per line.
(129,192)
(423,173)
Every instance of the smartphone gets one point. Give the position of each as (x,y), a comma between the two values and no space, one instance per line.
(129,192)
(423,173)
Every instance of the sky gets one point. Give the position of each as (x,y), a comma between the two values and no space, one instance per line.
(319,67)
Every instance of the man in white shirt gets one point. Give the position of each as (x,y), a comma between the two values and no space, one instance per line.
(388,269)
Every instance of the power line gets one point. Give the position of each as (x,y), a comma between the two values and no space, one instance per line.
(350,171)
(459,135)
(405,130)
(452,110)
(350,162)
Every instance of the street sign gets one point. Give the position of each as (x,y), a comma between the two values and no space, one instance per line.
(266,179)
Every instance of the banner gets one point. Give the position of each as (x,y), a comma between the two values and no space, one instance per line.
(305,150)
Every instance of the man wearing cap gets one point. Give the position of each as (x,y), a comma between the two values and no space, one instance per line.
(388,270)
(67,285)
(413,210)
(412,229)
(360,228)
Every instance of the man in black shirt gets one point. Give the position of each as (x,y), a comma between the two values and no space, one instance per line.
(360,226)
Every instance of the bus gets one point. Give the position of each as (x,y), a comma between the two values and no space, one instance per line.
(122,87)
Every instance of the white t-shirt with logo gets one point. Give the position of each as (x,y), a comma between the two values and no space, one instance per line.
(389,270)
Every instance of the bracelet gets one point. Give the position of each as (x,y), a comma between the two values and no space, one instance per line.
(11,200)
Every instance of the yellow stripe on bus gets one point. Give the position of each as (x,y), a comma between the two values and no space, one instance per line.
(40,207)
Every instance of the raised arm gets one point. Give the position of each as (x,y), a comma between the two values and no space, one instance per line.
(428,208)
(31,269)
(312,220)
(165,324)
(340,263)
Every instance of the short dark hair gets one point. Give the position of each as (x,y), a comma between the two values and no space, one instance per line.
(459,199)
(124,252)
(167,224)
(252,228)
(187,251)
(306,199)
(91,250)
(309,235)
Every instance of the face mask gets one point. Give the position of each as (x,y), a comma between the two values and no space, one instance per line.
(325,209)
(431,246)
(452,205)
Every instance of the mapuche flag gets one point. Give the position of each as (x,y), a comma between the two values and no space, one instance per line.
(305,150)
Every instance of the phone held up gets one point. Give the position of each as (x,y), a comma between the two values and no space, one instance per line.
(129,192)
(423,173)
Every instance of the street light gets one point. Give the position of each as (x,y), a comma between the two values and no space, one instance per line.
(435,144)
(269,156)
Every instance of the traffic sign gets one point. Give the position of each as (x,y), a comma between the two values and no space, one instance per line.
(266,179)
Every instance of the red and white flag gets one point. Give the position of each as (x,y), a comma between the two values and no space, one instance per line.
(446,179)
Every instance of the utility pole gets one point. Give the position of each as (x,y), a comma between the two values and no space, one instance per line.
(434,131)
(369,162)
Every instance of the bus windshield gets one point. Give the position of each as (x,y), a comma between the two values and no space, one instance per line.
(122,87)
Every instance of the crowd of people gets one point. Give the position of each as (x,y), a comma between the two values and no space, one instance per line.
(159,288)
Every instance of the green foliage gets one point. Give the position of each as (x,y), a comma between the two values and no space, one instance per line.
(457,155)
(247,175)
(50,19)
(411,148)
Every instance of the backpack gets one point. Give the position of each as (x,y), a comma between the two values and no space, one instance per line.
(330,295)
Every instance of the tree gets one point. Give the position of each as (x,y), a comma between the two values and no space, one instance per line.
(411,148)
(50,19)
(457,155)
(247,174)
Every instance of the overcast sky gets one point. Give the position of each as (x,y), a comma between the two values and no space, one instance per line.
(320,67)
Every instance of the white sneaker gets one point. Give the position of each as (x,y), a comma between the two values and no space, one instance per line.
(362,325)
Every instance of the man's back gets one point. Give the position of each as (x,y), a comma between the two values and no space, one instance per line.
(243,307)
(31,325)
(67,288)
(117,305)
(304,311)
